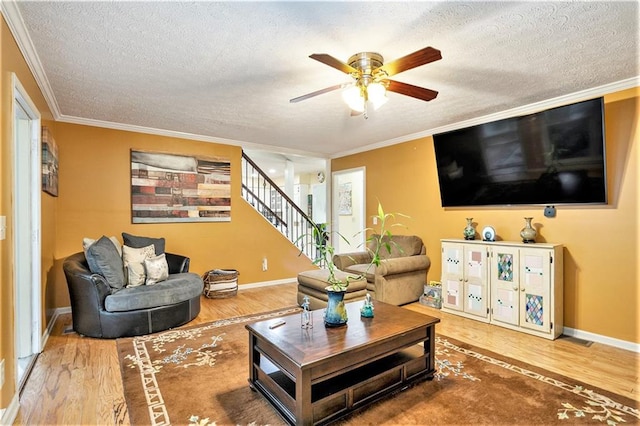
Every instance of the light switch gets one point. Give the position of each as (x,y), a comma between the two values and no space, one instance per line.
(3,227)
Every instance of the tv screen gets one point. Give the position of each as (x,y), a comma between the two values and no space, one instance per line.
(551,157)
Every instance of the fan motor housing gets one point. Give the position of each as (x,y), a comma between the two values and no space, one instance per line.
(366,62)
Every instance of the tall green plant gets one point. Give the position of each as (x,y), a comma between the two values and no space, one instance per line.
(325,251)
(377,236)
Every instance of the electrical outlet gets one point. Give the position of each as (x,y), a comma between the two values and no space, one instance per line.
(264,264)
(1,374)
(375,220)
(3,227)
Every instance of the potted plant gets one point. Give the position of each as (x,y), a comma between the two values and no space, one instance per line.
(336,313)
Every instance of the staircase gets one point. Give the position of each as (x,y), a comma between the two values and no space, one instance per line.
(276,207)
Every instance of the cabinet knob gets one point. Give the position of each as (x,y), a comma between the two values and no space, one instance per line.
(522,289)
(515,288)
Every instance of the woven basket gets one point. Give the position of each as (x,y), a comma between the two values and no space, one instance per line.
(220,283)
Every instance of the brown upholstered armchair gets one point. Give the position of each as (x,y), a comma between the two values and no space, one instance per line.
(401,276)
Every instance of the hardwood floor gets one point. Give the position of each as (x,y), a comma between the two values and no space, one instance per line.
(76,380)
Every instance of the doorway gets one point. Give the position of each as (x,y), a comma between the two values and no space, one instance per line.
(349,209)
(26,231)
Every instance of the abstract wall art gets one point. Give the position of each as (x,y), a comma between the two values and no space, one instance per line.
(179,188)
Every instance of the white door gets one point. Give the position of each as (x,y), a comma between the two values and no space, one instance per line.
(26,230)
(505,285)
(452,276)
(475,280)
(535,289)
(348,200)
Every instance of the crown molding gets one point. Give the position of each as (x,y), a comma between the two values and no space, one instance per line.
(523,110)
(19,31)
(14,20)
(182,135)
(514,112)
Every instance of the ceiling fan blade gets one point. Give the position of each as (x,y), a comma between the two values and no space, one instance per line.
(412,60)
(333,62)
(319,92)
(411,90)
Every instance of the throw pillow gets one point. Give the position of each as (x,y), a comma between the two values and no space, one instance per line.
(157,269)
(103,258)
(135,274)
(133,259)
(139,242)
(86,242)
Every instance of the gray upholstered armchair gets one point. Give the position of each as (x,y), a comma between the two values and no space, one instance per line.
(401,276)
(102,306)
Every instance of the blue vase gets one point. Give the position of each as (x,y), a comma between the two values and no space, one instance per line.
(336,313)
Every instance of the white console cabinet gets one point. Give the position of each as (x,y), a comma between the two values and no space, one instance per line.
(465,280)
(509,284)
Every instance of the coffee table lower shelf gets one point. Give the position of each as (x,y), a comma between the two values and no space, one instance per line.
(343,392)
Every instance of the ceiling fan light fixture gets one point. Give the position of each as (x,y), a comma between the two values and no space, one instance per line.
(377,94)
(353,98)
(371,77)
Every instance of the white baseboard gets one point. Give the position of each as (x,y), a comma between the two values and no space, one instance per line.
(584,335)
(8,415)
(56,314)
(266,283)
(67,309)
(599,338)
(572,332)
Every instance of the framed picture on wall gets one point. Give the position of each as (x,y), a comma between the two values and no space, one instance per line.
(49,163)
(345,207)
(179,188)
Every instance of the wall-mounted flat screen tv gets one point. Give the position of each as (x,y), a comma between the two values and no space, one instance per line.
(551,157)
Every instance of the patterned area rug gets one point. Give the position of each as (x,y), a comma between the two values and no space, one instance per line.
(198,375)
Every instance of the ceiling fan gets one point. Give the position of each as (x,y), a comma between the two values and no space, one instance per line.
(371,78)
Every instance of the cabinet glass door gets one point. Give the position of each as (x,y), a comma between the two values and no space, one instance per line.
(504,285)
(475,285)
(452,274)
(534,289)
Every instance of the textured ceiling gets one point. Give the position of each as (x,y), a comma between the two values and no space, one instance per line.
(226,70)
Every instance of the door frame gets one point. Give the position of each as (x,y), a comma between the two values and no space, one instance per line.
(335,214)
(22,100)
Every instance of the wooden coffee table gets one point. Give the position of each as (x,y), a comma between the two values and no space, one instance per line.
(318,375)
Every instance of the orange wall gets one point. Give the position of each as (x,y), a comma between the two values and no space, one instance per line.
(12,62)
(94,200)
(601,254)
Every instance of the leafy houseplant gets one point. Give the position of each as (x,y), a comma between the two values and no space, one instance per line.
(378,240)
(325,251)
(336,312)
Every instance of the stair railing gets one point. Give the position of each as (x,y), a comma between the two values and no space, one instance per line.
(275,206)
